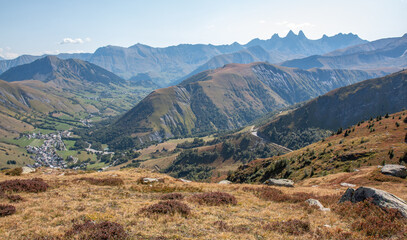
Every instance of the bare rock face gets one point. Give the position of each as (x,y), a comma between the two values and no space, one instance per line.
(394,170)
(379,197)
(279,182)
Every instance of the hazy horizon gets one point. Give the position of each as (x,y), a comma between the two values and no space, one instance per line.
(52,27)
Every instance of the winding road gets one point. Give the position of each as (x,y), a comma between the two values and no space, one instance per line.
(254,133)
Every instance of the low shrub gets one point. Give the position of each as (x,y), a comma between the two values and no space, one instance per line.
(103,230)
(380,177)
(276,195)
(103,181)
(214,198)
(372,220)
(293,227)
(24,185)
(172,196)
(14,172)
(168,207)
(12,198)
(6,210)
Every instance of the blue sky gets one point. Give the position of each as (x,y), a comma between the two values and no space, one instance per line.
(53,26)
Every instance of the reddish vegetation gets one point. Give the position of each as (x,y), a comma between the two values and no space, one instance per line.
(276,195)
(380,177)
(372,220)
(168,207)
(12,198)
(6,210)
(214,198)
(172,196)
(90,230)
(293,227)
(103,181)
(24,185)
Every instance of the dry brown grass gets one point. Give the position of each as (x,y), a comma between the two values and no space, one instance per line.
(102,181)
(68,203)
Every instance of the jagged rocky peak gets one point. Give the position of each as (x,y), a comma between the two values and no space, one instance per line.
(291,34)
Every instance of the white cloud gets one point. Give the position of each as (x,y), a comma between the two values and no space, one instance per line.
(262,21)
(6,54)
(74,41)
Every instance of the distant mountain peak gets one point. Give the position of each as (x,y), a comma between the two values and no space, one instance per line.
(275,35)
(301,34)
(291,34)
(52,68)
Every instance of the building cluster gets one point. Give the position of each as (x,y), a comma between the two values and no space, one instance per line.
(46,155)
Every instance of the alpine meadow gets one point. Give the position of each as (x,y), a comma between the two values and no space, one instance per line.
(158,120)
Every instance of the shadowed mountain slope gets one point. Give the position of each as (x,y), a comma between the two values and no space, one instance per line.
(339,108)
(225,98)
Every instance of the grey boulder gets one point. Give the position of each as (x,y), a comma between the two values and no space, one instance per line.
(314,202)
(225,182)
(279,182)
(150,180)
(394,170)
(379,197)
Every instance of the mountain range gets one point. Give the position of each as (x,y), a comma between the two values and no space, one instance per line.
(389,54)
(225,99)
(170,65)
(74,87)
(339,108)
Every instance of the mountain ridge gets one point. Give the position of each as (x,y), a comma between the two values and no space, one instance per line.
(170,65)
(339,109)
(387,54)
(227,98)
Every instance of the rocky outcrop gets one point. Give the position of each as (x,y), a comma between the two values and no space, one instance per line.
(314,202)
(279,182)
(344,184)
(379,197)
(225,182)
(150,180)
(27,170)
(394,170)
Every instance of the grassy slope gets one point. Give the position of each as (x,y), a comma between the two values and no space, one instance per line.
(52,213)
(339,108)
(362,147)
(227,98)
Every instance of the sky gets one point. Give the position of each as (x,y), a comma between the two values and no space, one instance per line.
(39,27)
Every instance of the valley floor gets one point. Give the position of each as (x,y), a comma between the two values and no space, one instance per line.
(72,198)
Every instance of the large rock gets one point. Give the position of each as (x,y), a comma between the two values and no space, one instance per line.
(394,170)
(347,196)
(185,180)
(344,184)
(279,182)
(379,197)
(314,202)
(27,170)
(225,182)
(150,180)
